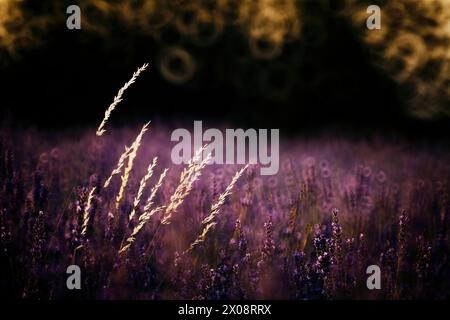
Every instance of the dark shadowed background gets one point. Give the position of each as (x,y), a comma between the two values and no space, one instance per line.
(301,66)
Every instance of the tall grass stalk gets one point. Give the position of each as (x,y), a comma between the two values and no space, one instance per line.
(118,98)
(209,222)
(134,148)
(142,185)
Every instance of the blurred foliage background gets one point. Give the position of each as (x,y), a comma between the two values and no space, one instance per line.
(298,65)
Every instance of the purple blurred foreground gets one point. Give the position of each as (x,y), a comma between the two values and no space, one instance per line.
(335,207)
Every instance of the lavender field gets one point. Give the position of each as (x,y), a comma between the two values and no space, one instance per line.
(335,207)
